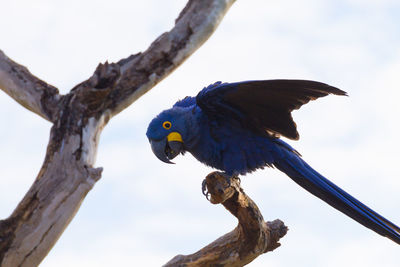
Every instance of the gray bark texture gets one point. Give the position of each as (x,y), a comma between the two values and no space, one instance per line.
(68,171)
(251,238)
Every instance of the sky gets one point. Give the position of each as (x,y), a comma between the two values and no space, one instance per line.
(144,212)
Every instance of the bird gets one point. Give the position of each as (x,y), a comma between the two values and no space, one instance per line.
(238,128)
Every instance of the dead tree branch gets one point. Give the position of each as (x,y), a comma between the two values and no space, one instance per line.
(251,238)
(67,174)
(28,90)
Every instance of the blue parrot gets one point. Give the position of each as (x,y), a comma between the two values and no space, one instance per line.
(236,128)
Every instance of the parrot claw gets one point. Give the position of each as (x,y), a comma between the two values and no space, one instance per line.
(221,187)
(229,180)
(204,189)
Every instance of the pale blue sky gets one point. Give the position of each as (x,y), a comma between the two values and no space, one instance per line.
(144,212)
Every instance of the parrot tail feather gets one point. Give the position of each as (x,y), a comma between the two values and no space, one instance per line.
(316,184)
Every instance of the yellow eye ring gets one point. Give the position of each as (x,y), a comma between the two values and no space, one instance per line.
(167,125)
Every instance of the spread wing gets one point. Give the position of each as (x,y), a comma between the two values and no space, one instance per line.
(263,106)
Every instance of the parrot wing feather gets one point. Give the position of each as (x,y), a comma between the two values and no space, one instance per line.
(262,106)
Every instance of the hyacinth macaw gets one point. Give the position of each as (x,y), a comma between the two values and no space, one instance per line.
(235,127)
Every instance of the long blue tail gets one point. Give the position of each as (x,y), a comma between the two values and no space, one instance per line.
(316,184)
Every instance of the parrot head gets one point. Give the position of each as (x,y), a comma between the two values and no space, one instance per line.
(167,132)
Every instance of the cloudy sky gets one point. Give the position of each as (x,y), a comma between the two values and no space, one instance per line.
(144,212)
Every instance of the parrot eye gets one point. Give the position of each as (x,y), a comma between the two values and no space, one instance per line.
(167,125)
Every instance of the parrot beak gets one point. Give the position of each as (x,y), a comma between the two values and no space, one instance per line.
(167,148)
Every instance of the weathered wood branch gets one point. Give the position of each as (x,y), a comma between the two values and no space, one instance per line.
(67,174)
(40,218)
(28,90)
(132,77)
(251,238)
(140,72)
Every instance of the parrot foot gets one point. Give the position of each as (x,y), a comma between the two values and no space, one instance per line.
(223,187)
(229,180)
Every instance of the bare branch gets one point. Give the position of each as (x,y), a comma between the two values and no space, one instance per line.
(251,238)
(50,204)
(140,72)
(67,174)
(28,90)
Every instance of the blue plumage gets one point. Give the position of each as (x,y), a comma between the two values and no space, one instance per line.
(235,127)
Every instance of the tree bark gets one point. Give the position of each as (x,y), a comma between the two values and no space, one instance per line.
(251,238)
(78,118)
(28,90)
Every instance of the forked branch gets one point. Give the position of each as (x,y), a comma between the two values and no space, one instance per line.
(251,238)
(78,117)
